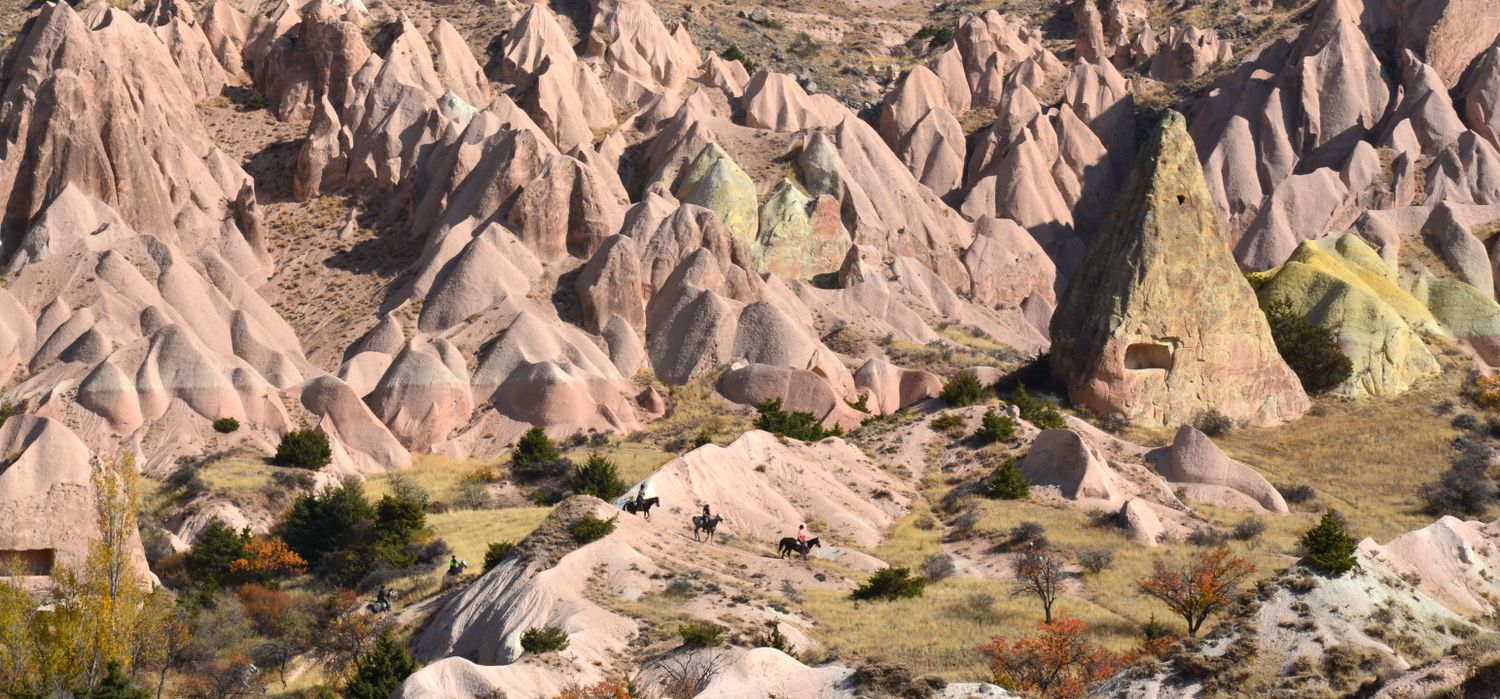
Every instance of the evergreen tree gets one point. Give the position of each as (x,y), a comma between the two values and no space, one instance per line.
(536,457)
(1007,482)
(1329,547)
(115,685)
(215,548)
(535,447)
(379,671)
(598,477)
(1311,350)
(994,427)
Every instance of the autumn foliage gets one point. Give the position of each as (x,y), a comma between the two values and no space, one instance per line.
(1203,588)
(267,558)
(1059,662)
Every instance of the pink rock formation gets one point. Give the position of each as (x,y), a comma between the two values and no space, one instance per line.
(1197,466)
(1061,458)
(47,514)
(890,388)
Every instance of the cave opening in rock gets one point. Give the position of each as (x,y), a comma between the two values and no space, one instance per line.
(1142,356)
(27,561)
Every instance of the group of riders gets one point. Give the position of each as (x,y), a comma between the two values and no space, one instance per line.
(708,522)
(705,522)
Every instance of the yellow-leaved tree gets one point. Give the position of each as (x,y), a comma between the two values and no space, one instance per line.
(64,640)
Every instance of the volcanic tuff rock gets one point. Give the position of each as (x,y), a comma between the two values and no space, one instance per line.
(1207,475)
(47,515)
(1341,284)
(1158,324)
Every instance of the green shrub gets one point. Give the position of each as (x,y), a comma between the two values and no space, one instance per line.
(380,670)
(1096,560)
(115,685)
(497,552)
(256,101)
(995,427)
(735,53)
(799,425)
(1038,411)
(951,424)
(697,634)
(962,391)
(1212,422)
(598,477)
(704,437)
(544,639)
(535,457)
(937,35)
(214,549)
(225,425)
(891,584)
(343,537)
(773,638)
(1007,482)
(589,528)
(1311,350)
(1328,547)
(8,410)
(307,449)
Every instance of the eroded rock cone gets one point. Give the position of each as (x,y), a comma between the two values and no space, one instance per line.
(1158,323)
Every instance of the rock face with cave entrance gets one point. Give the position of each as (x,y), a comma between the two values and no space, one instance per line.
(1159,324)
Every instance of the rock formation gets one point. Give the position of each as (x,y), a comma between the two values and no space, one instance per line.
(1158,324)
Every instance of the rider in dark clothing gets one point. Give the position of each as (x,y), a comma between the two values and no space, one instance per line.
(640,497)
(706,516)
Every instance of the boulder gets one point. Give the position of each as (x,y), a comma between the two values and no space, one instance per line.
(1158,323)
(891,388)
(799,390)
(1141,522)
(1207,475)
(1062,458)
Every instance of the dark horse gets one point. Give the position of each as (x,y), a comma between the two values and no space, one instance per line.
(789,545)
(643,509)
(706,524)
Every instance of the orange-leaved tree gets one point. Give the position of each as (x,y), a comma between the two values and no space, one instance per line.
(267,558)
(1201,589)
(1058,662)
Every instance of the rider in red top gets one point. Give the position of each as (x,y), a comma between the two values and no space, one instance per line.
(802,536)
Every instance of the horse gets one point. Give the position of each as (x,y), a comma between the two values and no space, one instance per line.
(789,544)
(458,569)
(705,524)
(644,509)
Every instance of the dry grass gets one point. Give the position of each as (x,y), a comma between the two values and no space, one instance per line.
(1370,459)
(437,474)
(694,407)
(636,460)
(470,532)
(237,472)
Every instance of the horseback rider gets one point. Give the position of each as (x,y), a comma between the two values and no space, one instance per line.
(453,566)
(383,599)
(640,498)
(802,537)
(706,515)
